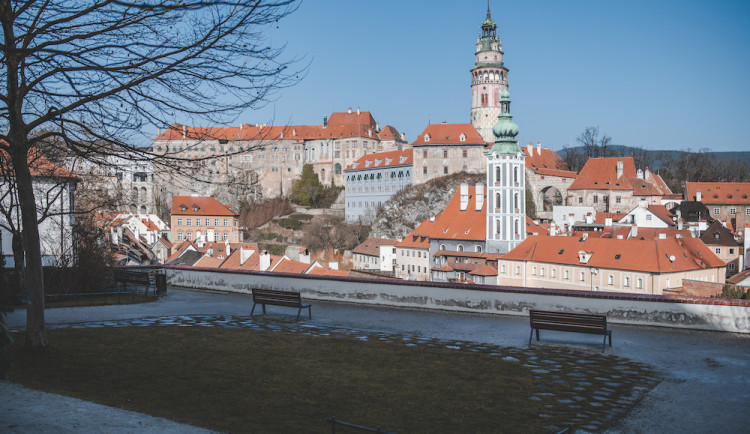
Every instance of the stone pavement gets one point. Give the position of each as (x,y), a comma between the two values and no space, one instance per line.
(702,376)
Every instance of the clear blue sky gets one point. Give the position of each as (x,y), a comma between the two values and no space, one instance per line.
(661,74)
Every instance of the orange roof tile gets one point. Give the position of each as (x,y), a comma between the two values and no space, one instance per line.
(199,206)
(449,134)
(652,256)
(601,174)
(383,159)
(209,262)
(371,246)
(546,162)
(720,193)
(455,224)
(39,166)
(533,228)
(485,270)
(320,271)
(286,265)
(419,238)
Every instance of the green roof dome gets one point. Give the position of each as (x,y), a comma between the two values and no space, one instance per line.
(505,130)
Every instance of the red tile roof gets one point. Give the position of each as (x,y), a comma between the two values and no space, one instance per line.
(383,159)
(390,133)
(352,118)
(485,270)
(653,256)
(720,193)
(535,229)
(601,217)
(209,262)
(39,166)
(601,174)
(546,162)
(286,265)
(419,238)
(200,206)
(662,213)
(320,271)
(449,134)
(371,246)
(455,224)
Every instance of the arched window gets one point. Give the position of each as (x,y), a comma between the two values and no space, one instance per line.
(515,175)
(338,168)
(515,227)
(143,209)
(442,247)
(143,193)
(478,249)
(515,201)
(497,174)
(135,193)
(497,200)
(497,226)
(460,247)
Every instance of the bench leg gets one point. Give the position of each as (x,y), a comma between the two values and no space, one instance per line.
(604,342)
(309,312)
(531,335)
(610,337)
(299,311)
(537,335)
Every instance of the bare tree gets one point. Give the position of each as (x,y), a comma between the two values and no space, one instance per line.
(93,74)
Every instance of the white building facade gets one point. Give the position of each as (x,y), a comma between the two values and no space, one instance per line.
(373,179)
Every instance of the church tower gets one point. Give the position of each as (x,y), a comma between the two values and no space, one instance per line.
(506,184)
(489,78)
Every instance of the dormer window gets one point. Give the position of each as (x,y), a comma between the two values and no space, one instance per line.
(195,208)
(183,208)
(462,137)
(426,137)
(583,257)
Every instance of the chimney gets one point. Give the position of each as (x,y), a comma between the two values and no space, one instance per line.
(479,192)
(325,121)
(619,169)
(464,191)
(639,174)
(210,252)
(698,196)
(350,110)
(539,148)
(647,174)
(552,229)
(377,126)
(608,221)
(432,218)
(369,132)
(304,257)
(619,236)
(199,242)
(633,231)
(226,247)
(265,261)
(294,132)
(358,110)
(403,136)
(184,131)
(240,127)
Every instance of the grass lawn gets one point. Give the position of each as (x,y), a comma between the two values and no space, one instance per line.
(97,300)
(242,380)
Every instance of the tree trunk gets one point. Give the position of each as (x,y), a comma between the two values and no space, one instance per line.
(36,333)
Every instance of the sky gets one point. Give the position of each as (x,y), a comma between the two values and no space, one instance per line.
(654,74)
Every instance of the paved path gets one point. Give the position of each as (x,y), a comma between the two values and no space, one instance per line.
(705,387)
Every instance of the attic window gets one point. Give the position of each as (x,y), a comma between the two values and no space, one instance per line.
(195,208)
(561,251)
(617,256)
(716,196)
(183,208)
(426,137)
(729,195)
(462,137)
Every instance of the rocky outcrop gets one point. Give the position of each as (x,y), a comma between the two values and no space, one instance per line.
(415,204)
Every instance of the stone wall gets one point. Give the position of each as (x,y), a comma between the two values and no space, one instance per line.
(652,310)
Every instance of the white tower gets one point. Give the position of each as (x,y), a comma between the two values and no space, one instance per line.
(489,78)
(506,185)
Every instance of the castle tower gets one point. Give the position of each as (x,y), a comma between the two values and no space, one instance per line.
(489,78)
(506,184)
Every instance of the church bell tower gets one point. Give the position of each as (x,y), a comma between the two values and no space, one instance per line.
(489,78)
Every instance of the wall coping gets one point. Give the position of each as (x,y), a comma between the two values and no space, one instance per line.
(474,287)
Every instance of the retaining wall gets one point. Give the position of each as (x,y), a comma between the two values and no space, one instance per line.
(652,310)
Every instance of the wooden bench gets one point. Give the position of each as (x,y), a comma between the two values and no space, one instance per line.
(569,322)
(134,277)
(279,298)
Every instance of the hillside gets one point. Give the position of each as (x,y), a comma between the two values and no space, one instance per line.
(415,204)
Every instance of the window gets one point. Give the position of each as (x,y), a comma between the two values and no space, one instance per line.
(610,280)
(580,200)
(596,199)
(533,270)
(731,251)
(502,268)
(717,250)
(566,275)
(179,236)
(518,270)
(465,153)
(541,271)
(627,282)
(226,222)
(445,154)
(716,211)
(747,211)
(445,170)
(639,283)
(553,273)
(179,222)
(207,222)
(189,236)
(583,276)
(198,222)
(617,199)
(732,211)
(216,222)
(189,222)
(216,236)
(648,217)
(424,153)
(460,247)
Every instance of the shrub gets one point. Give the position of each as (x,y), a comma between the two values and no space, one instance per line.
(274,249)
(289,223)
(257,214)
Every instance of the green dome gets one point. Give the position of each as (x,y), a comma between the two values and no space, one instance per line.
(505,130)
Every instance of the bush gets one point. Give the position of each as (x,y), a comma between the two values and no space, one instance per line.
(734,292)
(289,223)
(301,217)
(274,249)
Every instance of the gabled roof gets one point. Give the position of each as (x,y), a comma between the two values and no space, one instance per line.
(371,246)
(390,133)
(719,193)
(383,159)
(739,277)
(601,174)
(651,256)
(485,270)
(546,162)
(456,224)
(449,134)
(39,166)
(535,229)
(718,235)
(661,212)
(200,206)
(286,265)
(601,217)
(419,238)
(352,118)
(209,262)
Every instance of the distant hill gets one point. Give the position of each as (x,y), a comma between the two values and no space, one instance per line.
(657,156)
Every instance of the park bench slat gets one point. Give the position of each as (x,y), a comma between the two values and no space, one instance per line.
(279,298)
(569,322)
(134,277)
